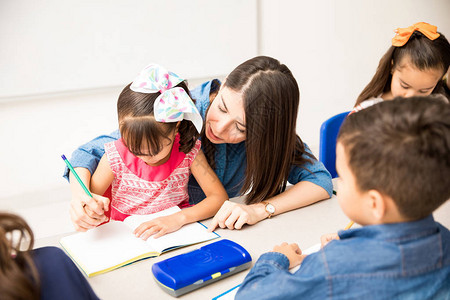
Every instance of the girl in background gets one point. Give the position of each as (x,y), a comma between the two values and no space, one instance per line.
(148,168)
(413,66)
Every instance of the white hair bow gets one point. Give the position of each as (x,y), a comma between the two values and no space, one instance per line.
(174,103)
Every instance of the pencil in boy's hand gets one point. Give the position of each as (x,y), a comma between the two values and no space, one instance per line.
(76,175)
(349,225)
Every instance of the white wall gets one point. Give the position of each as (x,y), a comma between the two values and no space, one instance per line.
(333,47)
(52,45)
(50,48)
(63,64)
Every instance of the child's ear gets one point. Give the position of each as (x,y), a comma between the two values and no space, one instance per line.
(377,203)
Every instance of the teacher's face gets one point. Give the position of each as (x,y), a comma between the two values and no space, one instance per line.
(225,121)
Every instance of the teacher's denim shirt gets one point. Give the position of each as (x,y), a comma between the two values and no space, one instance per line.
(231,159)
(391,261)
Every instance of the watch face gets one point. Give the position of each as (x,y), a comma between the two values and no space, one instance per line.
(270,208)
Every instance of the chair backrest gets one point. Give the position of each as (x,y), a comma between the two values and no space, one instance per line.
(328,135)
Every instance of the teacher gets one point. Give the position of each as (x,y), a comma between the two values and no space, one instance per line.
(249,139)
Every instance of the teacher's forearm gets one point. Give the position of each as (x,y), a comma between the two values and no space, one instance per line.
(301,194)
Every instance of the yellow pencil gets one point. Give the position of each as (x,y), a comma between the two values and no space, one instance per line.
(349,225)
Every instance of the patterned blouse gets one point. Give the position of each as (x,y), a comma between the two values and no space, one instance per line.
(139,189)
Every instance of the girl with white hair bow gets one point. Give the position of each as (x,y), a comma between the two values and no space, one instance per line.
(148,168)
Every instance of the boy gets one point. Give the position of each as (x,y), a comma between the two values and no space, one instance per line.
(393,161)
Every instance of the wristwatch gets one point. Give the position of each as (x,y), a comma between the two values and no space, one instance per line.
(270,209)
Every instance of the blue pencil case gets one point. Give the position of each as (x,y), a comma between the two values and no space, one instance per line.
(186,272)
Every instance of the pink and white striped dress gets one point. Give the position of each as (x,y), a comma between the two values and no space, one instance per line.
(139,189)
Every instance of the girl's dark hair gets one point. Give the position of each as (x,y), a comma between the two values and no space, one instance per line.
(423,53)
(271,99)
(19,278)
(138,125)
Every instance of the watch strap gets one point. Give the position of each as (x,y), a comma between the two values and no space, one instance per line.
(265,208)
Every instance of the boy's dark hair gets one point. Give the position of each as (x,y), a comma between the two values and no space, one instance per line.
(137,123)
(424,54)
(401,148)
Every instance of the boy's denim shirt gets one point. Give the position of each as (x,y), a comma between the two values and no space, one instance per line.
(391,261)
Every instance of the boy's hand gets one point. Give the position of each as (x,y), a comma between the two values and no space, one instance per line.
(326,238)
(292,252)
(158,227)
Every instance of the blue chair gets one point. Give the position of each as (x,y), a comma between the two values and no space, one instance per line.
(328,135)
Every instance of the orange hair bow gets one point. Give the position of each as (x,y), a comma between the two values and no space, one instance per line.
(403,34)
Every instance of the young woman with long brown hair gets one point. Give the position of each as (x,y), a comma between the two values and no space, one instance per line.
(249,139)
(42,273)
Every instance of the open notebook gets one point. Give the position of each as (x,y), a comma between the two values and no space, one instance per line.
(113,245)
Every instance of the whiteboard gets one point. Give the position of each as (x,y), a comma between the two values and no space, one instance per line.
(50,46)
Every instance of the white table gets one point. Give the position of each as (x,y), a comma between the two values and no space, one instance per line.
(303,226)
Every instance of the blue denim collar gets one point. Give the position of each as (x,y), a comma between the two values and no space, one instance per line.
(394,231)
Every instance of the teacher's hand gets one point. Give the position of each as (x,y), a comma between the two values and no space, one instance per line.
(234,215)
(87,212)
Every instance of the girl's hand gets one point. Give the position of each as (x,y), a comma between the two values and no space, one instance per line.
(292,252)
(326,238)
(159,227)
(87,212)
(234,215)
